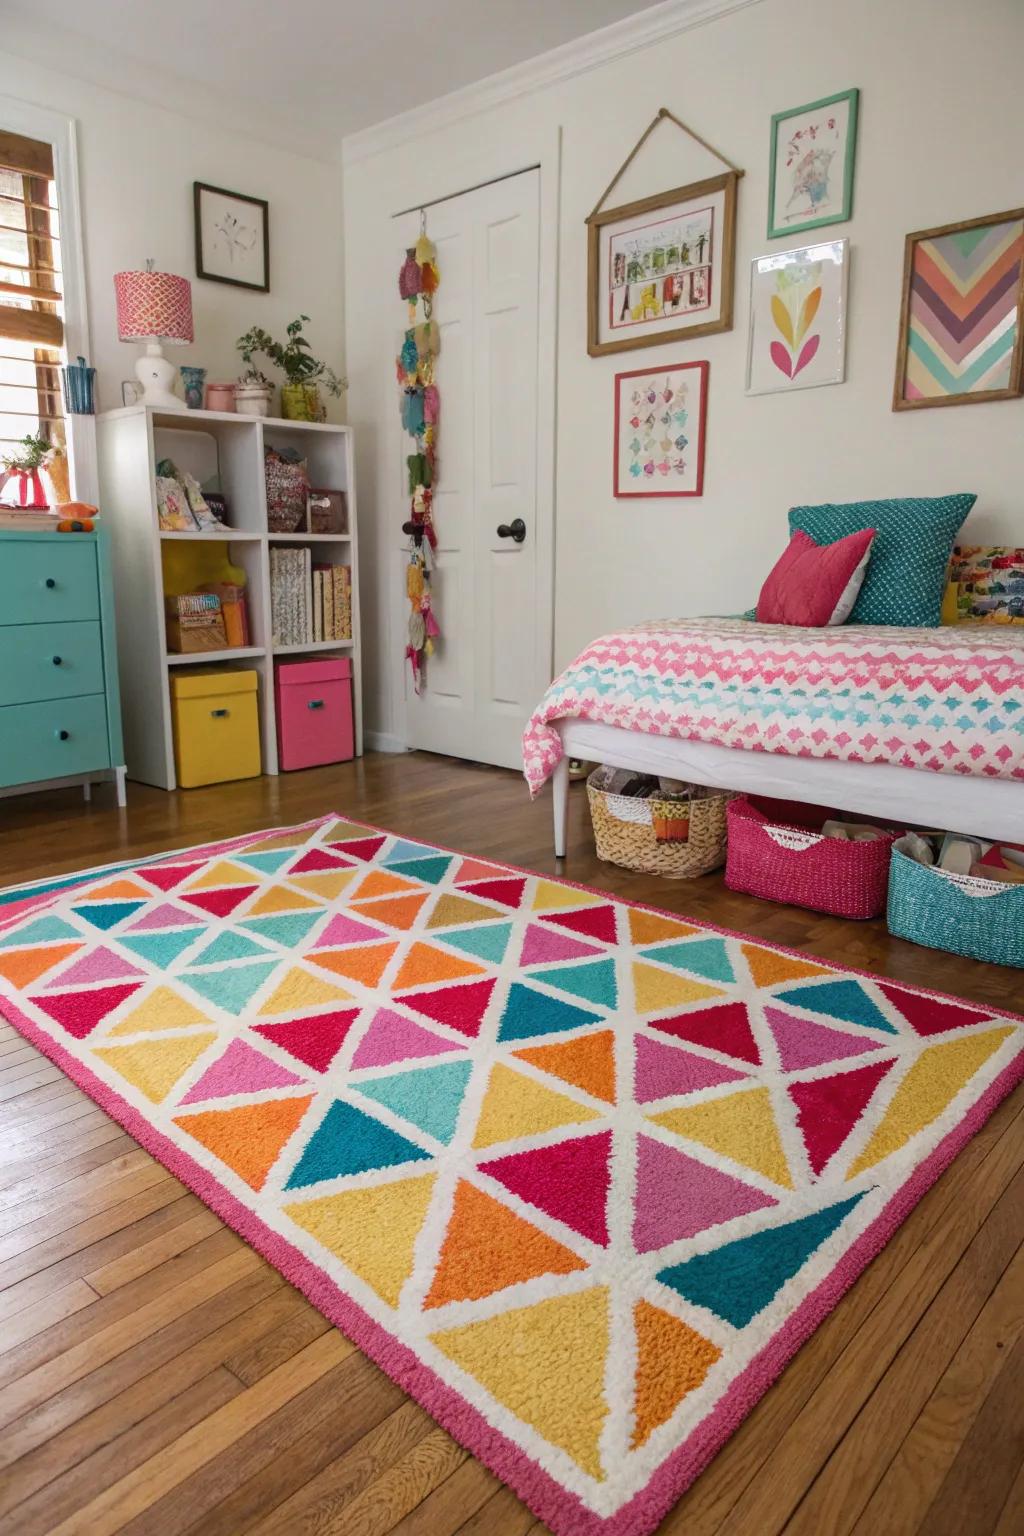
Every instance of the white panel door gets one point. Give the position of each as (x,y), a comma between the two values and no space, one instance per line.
(485,676)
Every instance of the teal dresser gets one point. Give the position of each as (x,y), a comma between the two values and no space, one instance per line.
(60,715)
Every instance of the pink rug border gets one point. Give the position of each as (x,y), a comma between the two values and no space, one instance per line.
(547,1498)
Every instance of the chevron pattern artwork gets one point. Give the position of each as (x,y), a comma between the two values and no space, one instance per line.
(580,1175)
(963,322)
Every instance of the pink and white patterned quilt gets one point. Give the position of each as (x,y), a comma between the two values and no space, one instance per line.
(946,700)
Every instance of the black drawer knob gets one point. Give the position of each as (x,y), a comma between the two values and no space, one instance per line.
(58,661)
(50,582)
(219,714)
(315,704)
(63,735)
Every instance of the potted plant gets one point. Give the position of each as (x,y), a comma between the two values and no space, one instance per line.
(253,391)
(300,396)
(22,465)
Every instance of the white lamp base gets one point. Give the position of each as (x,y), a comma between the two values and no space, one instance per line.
(156,375)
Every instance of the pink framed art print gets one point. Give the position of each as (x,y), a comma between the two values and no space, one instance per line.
(660,420)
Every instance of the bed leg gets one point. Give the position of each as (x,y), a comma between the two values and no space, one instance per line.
(560,800)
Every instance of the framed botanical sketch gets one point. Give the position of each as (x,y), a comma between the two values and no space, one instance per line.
(797,334)
(662,269)
(812,154)
(660,420)
(962,315)
(232,237)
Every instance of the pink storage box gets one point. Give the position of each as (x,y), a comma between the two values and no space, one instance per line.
(314,712)
(781,856)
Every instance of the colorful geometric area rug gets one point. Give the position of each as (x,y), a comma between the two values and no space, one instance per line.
(580,1175)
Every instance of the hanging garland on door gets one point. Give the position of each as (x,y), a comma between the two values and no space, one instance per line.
(420,406)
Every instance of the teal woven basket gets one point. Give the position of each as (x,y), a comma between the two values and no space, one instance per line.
(980,918)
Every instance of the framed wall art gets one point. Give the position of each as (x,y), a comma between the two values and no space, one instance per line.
(811,162)
(232,237)
(660,421)
(962,314)
(797,334)
(662,269)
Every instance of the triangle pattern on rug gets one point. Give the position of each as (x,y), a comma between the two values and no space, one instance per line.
(588,1062)
(488,943)
(266,863)
(343,929)
(299,990)
(739,1126)
(702,957)
(846,1001)
(656,990)
(390,1039)
(511,1354)
(739,1279)
(451,910)
(158,918)
(396,912)
(239,1070)
(353,830)
(476,869)
(516,1106)
(227,945)
(80,1012)
(529,1012)
(231,987)
(281,898)
(162,1009)
(425,963)
(803,1043)
(828,1108)
(459,1007)
(100,964)
(365,963)
(403,850)
(325,887)
(40,930)
(595,922)
(672,1361)
(316,1040)
(250,1138)
(488,1248)
(316,861)
(381,882)
(165,877)
(109,914)
(21,967)
(568,1181)
(768,967)
(372,1231)
(507,892)
(366,847)
(545,946)
(223,872)
(548,895)
(116,890)
(428,1097)
(934,1081)
(725,1028)
(219,903)
(664,1071)
(154,1066)
(678,1196)
(349,1141)
(650,927)
(594,981)
(931,1015)
(431,870)
(286,928)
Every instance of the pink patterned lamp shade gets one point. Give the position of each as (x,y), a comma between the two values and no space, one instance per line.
(153,304)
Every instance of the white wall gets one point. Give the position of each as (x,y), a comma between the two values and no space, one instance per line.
(942,122)
(137,164)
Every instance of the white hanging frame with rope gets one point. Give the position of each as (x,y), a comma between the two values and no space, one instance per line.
(634,290)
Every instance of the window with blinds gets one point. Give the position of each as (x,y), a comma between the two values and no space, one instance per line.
(31,307)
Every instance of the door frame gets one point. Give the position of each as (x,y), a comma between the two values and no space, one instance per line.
(438,186)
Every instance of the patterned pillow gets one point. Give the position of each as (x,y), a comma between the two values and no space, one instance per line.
(913,539)
(986,585)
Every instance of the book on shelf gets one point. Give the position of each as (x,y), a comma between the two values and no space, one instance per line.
(308,604)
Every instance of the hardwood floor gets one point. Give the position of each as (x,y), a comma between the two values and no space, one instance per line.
(157,1378)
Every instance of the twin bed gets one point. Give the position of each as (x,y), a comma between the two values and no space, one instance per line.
(921,726)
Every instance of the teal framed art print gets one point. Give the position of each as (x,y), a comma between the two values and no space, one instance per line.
(812,155)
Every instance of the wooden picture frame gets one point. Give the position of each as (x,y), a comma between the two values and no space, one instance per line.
(827,130)
(699,287)
(930,332)
(232,237)
(632,478)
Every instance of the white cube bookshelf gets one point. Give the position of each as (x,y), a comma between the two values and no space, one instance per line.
(130,443)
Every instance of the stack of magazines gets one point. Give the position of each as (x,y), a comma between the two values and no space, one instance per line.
(308,603)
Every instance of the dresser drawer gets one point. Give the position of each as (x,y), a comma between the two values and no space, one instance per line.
(46,741)
(48,580)
(49,661)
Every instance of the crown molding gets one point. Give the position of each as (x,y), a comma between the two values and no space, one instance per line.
(633,33)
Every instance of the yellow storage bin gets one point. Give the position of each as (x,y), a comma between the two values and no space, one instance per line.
(216,726)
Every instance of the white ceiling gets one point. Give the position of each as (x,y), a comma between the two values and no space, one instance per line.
(309,70)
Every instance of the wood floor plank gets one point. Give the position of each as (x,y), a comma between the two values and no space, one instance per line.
(83,1234)
(42,1175)
(913,1477)
(104,1179)
(42,1318)
(301,1325)
(502,1515)
(150,1255)
(1011,1520)
(403,1487)
(466,1490)
(59,1218)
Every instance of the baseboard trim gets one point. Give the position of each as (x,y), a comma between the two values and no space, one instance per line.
(380,741)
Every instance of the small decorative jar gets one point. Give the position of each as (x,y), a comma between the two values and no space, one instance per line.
(301,402)
(78,381)
(220,397)
(192,381)
(253,399)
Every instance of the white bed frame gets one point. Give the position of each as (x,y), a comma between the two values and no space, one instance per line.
(988,808)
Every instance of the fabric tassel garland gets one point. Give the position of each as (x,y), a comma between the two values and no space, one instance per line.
(431,405)
(420,407)
(409,278)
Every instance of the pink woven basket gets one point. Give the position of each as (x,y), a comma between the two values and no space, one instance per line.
(782,861)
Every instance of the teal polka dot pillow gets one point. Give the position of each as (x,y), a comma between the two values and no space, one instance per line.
(914,537)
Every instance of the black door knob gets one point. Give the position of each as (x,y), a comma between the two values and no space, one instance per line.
(514,530)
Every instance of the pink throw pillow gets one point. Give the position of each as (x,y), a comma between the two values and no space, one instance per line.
(815,585)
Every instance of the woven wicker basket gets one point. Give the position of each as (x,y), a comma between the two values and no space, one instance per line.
(781,861)
(624,832)
(980,918)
